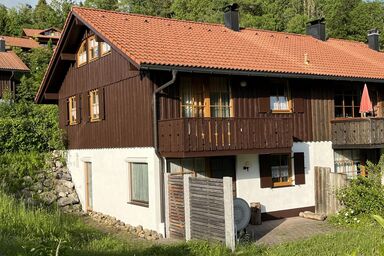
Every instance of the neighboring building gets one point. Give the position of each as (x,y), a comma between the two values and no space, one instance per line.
(10,66)
(24,43)
(42,36)
(139,95)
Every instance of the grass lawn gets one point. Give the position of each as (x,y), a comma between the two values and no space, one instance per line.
(38,232)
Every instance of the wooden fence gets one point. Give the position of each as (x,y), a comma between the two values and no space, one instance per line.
(326,185)
(207,205)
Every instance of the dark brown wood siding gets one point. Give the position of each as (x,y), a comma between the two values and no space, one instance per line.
(127,99)
(4,82)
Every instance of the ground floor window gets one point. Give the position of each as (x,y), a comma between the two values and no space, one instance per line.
(352,161)
(281,170)
(139,183)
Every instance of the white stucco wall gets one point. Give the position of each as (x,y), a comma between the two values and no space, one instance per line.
(111,183)
(283,198)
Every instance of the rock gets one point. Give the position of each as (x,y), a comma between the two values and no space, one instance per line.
(28,179)
(313,216)
(26,193)
(139,228)
(66,176)
(66,183)
(63,201)
(37,186)
(48,183)
(62,194)
(62,188)
(59,164)
(40,176)
(48,197)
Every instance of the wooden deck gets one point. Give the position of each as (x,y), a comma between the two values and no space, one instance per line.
(224,136)
(358,132)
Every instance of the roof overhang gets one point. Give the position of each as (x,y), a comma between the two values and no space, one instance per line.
(234,72)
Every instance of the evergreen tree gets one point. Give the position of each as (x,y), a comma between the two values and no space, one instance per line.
(102,4)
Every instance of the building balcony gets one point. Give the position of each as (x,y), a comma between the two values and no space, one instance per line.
(358,132)
(198,137)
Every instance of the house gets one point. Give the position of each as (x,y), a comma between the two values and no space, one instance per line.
(42,36)
(25,44)
(10,66)
(140,96)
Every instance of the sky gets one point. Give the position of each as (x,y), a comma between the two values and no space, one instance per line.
(13,3)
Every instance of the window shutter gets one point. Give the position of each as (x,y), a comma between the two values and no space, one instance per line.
(265,171)
(299,168)
(86,106)
(298,104)
(78,108)
(66,113)
(264,100)
(101,104)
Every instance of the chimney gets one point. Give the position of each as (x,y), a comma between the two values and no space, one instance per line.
(373,39)
(2,44)
(231,17)
(316,28)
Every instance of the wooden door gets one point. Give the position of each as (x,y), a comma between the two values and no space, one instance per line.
(88,186)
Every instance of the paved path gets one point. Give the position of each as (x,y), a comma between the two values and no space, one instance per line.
(285,230)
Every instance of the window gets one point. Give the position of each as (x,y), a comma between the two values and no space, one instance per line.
(93,48)
(105,48)
(82,54)
(196,166)
(280,100)
(347,102)
(94,105)
(201,99)
(139,183)
(281,170)
(88,186)
(72,110)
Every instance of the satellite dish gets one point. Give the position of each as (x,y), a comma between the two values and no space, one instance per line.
(242,213)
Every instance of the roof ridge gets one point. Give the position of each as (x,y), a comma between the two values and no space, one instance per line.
(149,16)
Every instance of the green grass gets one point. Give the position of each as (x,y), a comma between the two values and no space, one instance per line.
(36,231)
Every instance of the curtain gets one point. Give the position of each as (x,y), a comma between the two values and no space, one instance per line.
(139,179)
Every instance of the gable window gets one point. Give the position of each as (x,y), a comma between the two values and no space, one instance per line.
(205,99)
(281,170)
(72,110)
(93,48)
(105,48)
(139,183)
(82,54)
(280,100)
(94,105)
(347,102)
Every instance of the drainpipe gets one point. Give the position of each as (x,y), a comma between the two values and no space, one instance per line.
(170,82)
(155,141)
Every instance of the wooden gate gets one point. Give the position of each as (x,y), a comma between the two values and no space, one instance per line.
(176,206)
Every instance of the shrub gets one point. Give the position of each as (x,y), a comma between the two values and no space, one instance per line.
(363,196)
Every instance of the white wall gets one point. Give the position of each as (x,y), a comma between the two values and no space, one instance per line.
(283,198)
(111,184)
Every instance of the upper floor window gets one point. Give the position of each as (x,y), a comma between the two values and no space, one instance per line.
(280,99)
(199,99)
(82,54)
(93,48)
(94,105)
(347,102)
(72,110)
(105,48)
(90,50)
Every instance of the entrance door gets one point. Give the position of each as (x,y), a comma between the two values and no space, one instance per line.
(223,167)
(88,186)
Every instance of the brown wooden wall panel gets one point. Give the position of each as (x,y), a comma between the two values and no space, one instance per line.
(128,104)
(4,82)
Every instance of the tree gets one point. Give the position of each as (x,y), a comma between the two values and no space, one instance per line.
(3,20)
(19,18)
(44,16)
(149,7)
(102,4)
(61,8)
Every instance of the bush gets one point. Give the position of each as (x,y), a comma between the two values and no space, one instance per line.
(363,196)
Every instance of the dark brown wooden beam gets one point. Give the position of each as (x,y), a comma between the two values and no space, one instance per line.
(51,96)
(68,56)
(98,39)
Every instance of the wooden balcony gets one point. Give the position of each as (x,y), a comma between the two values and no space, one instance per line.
(358,132)
(197,137)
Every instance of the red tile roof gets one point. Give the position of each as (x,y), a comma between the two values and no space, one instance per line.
(30,32)
(10,61)
(20,42)
(170,42)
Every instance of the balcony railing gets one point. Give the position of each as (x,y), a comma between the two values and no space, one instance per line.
(357,132)
(214,136)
